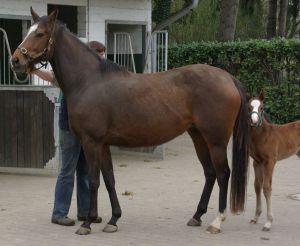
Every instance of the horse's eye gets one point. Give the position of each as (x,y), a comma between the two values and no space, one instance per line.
(39,35)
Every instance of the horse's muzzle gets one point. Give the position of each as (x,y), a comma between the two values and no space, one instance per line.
(17,65)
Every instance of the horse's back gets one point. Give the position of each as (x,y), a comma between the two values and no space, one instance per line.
(153,108)
(199,80)
(279,141)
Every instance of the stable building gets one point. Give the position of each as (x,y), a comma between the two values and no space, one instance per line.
(29,136)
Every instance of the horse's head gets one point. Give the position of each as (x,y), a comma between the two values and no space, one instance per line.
(37,45)
(256,109)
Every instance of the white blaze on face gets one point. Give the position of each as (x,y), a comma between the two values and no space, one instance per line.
(31,30)
(255,106)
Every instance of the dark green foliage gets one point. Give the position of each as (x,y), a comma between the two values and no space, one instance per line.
(272,65)
(161,10)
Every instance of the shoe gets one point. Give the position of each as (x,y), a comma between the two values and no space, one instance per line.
(84,218)
(64,221)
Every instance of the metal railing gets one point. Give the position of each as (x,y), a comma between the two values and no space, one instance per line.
(8,77)
(123,53)
(159,51)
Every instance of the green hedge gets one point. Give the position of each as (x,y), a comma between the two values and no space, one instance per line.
(272,65)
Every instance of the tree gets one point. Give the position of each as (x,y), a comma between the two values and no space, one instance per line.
(282,18)
(293,19)
(272,19)
(251,20)
(228,16)
(161,10)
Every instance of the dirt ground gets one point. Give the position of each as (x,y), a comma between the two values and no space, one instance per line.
(163,196)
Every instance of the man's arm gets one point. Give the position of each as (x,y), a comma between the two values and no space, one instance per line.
(47,75)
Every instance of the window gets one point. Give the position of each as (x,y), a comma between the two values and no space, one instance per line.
(73,16)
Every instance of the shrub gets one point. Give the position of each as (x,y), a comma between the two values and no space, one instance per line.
(272,65)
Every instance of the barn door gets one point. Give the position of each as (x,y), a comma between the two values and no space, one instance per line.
(26,128)
(27,113)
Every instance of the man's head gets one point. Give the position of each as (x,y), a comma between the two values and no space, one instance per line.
(98,48)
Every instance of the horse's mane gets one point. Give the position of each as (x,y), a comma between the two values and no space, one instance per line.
(106,66)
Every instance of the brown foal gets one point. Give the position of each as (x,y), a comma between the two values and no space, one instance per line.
(269,143)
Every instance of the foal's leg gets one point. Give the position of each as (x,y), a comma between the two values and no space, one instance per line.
(258,183)
(93,153)
(209,172)
(218,156)
(267,187)
(108,176)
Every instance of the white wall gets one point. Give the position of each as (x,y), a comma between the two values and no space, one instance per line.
(21,7)
(100,11)
(117,10)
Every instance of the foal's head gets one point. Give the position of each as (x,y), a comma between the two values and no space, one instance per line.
(256,109)
(37,45)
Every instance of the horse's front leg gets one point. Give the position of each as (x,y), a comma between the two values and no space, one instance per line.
(258,183)
(220,162)
(108,176)
(267,188)
(94,155)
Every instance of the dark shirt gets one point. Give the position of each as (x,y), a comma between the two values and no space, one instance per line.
(63,115)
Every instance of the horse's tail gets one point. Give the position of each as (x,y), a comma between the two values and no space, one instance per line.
(240,155)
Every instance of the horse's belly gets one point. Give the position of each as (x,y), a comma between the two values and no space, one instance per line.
(144,137)
(288,154)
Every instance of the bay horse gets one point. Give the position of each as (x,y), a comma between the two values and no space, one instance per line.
(269,143)
(108,105)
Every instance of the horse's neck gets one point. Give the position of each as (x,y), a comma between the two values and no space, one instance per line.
(261,130)
(70,62)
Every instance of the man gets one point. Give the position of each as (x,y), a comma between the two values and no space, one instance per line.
(73,161)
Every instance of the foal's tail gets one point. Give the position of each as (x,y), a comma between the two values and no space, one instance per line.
(240,155)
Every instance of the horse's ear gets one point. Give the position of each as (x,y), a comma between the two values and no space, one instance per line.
(35,16)
(261,95)
(52,16)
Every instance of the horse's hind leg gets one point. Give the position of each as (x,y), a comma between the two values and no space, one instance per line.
(209,172)
(267,188)
(108,176)
(218,154)
(258,183)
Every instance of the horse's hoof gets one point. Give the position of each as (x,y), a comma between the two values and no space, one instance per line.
(213,230)
(194,222)
(110,228)
(253,221)
(265,228)
(83,231)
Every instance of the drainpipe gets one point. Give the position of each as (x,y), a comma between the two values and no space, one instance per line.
(88,20)
(176,16)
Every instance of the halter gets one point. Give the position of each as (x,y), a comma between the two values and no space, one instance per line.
(44,55)
(260,118)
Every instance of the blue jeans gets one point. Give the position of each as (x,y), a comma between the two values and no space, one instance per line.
(73,159)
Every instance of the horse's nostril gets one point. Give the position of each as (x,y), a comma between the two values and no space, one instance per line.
(15,61)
